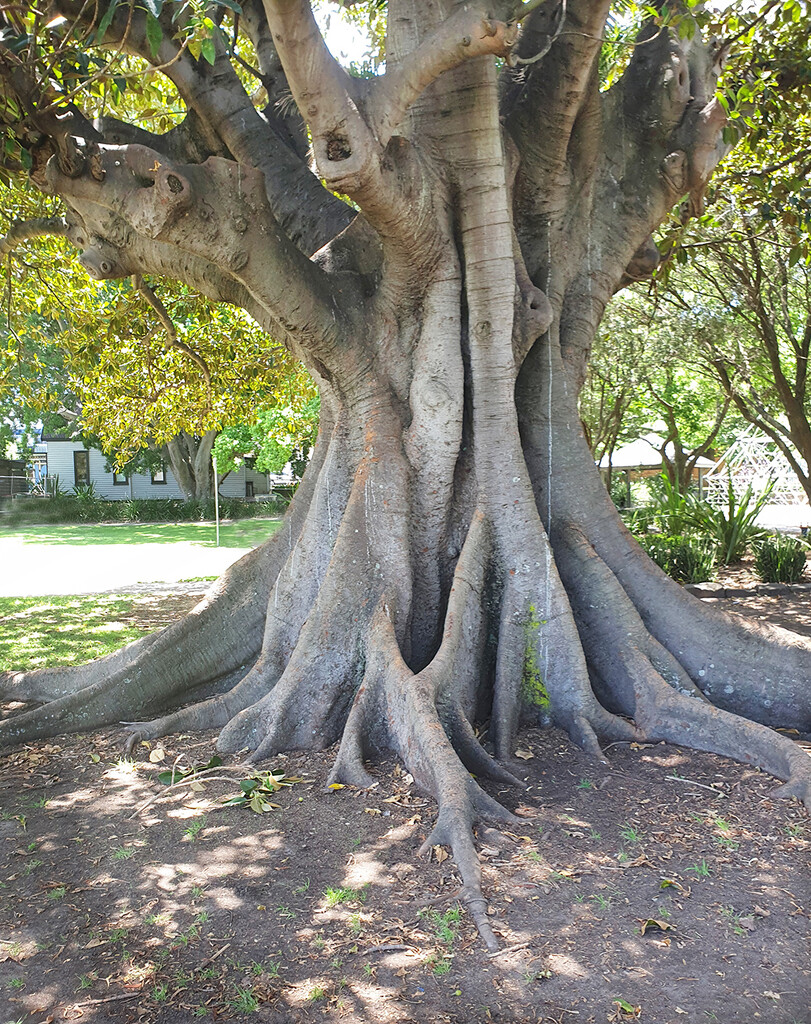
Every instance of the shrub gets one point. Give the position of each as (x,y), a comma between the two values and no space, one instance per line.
(780,559)
(685,559)
(733,529)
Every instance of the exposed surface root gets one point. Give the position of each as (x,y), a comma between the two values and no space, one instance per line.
(625,664)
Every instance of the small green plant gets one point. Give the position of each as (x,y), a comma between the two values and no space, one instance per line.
(780,559)
(734,920)
(301,889)
(57,893)
(336,896)
(123,853)
(244,1001)
(118,934)
(603,902)
(355,924)
(86,980)
(160,993)
(42,802)
(285,912)
(732,529)
(595,835)
(445,925)
(272,968)
(701,870)
(441,966)
(631,834)
(194,829)
(317,993)
(684,558)
(727,843)
(795,830)
(585,784)
(17,983)
(197,891)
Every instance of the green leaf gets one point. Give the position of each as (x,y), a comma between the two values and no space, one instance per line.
(104,24)
(154,7)
(208,51)
(154,34)
(795,255)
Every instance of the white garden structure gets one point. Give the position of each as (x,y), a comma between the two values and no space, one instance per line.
(755,461)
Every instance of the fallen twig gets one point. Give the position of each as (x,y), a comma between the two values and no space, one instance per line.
(389,947)
(509,949)
(690,782)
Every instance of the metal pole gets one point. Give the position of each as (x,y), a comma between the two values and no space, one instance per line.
(216,499)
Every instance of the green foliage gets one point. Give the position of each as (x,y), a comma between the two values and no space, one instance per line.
(780,559)
(257,789)
(276,436)
(533,689)
(685,558)
(733,529)
(89,509)
(673,510)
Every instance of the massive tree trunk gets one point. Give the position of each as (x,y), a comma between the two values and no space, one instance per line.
(451,556)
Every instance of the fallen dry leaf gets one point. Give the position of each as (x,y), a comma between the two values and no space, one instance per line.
(525,755)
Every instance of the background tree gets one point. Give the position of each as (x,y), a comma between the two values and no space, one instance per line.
(648,374)
(133,367)
(451,554)
(751,285)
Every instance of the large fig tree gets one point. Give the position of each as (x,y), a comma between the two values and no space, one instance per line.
(437,244)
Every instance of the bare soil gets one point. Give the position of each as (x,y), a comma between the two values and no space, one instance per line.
(668,887)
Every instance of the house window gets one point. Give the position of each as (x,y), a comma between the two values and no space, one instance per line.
(159,474)
(81,468)
(120,479)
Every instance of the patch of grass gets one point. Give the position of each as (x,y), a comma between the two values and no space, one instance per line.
(603,902)
(701,870)
(123,853)
(240,534)
(445,925)
(160,993)
(57,893)
(336,896)
(585,784)
(17,983)
(244,1001)
(193,830)
(317,993)
(631,834)
(43,631)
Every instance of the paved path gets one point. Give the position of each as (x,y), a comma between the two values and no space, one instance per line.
(39,569)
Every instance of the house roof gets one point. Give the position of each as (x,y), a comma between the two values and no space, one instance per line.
(641,454)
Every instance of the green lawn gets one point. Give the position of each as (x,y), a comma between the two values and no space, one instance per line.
(42,631)
(243,533)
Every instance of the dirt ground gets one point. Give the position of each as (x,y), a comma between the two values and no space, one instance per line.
(668,887)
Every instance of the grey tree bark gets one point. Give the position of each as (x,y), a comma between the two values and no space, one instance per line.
(451,555)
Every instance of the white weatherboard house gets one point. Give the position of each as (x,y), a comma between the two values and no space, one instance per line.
(76,465)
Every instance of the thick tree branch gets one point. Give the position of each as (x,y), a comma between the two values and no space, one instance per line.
(227,118)
(469,32)
(26,230)
(216,211)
